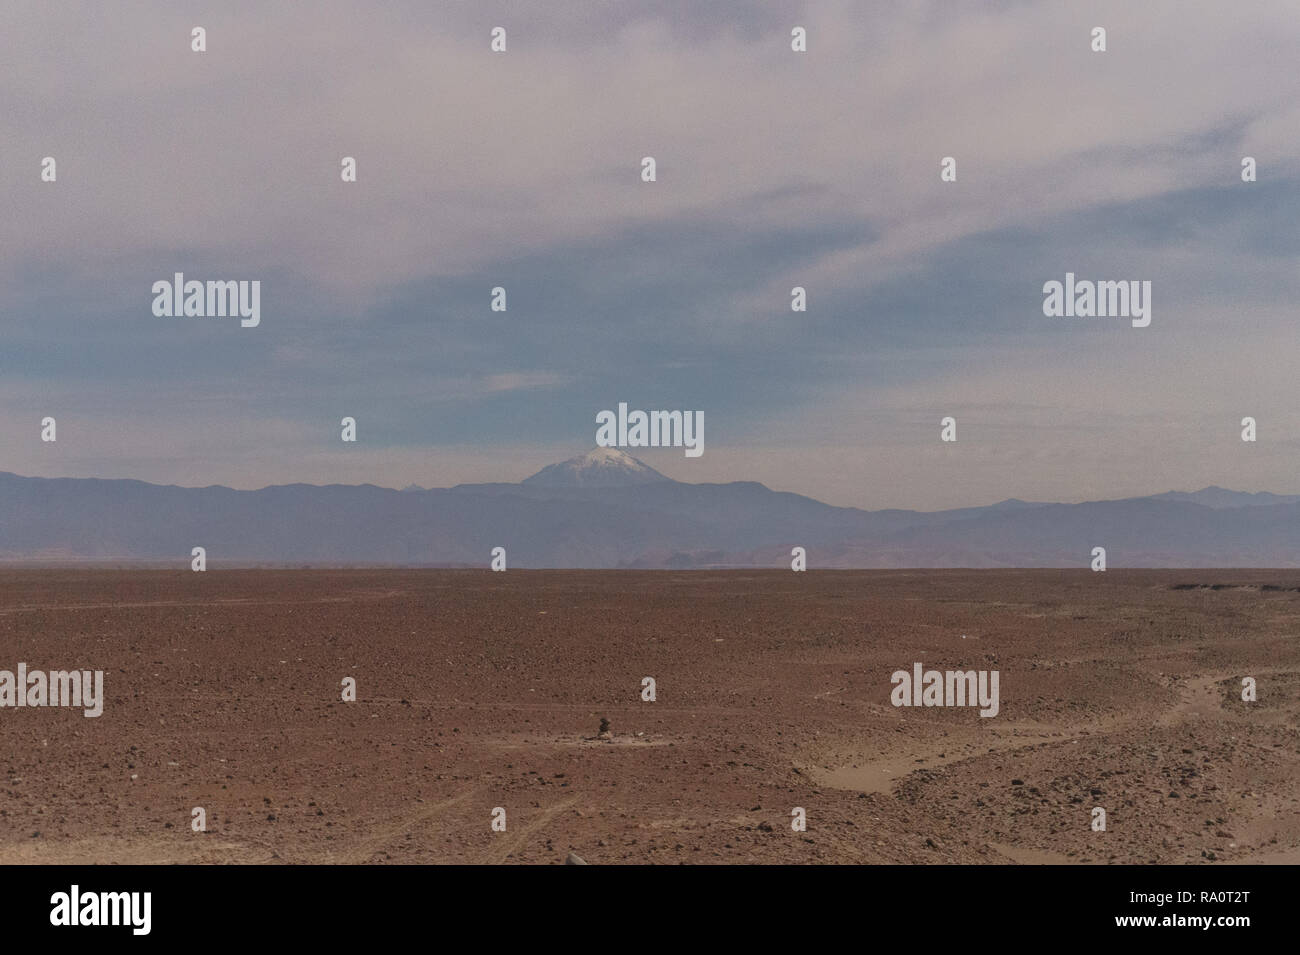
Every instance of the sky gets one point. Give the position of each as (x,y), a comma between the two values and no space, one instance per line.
(775,169)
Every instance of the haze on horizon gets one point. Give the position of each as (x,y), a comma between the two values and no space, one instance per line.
(775,169)
(590,470)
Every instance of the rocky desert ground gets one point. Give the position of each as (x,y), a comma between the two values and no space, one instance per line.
(479,690)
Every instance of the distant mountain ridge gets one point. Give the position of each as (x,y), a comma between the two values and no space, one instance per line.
(606,509)
(1219,497)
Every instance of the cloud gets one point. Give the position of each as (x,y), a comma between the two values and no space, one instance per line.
(775,169)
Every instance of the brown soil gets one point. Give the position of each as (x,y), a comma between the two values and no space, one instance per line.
(479,690)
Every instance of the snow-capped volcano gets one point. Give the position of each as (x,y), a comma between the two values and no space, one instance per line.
(600,467)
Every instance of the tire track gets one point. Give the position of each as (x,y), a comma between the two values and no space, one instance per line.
(507,843)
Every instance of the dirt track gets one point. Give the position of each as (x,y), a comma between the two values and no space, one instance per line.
(479,690)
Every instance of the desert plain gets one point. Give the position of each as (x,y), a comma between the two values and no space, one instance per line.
(479,691)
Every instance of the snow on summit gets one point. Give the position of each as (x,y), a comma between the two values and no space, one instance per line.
(599,467)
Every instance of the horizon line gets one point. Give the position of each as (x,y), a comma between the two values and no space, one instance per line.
(666,480)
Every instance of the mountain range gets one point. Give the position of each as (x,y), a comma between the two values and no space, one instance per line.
(606,509)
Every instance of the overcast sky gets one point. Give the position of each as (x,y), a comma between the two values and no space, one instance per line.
(775,169)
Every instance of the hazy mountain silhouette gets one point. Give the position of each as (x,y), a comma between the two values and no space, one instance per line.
(607,509)
(1222,497)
